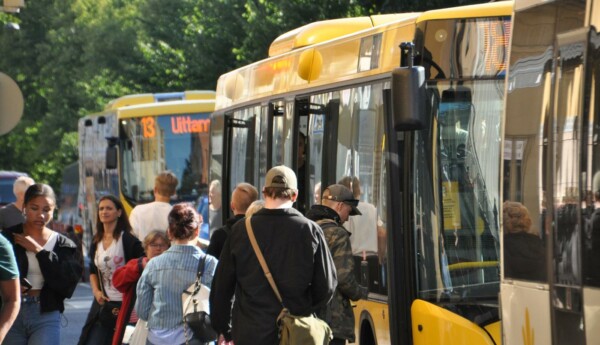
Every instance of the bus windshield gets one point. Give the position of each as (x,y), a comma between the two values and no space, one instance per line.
(151,144)
(458,244)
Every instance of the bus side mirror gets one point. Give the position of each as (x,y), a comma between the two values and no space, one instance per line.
(409,98)
(111,157)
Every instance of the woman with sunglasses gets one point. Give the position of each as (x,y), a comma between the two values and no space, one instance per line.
(113,245)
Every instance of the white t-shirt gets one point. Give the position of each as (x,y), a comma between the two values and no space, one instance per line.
(34,272)
(107,261)
(149,217)
(363,229)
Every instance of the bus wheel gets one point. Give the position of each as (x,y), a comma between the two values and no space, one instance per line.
(366,334)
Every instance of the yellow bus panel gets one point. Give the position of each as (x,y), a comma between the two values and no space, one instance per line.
(432,324)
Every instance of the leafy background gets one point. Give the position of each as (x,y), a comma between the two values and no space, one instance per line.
(71,57)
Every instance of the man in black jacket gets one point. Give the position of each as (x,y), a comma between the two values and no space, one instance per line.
(296,253)
(243,195)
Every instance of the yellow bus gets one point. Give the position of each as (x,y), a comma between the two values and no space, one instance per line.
(338,100)
(124,147)
(551,164)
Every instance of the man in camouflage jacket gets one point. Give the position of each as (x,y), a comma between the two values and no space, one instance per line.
(338,204)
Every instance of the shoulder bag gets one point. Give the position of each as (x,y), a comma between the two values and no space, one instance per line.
(196,309)
(293,330)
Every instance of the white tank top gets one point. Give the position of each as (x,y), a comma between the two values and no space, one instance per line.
(34,273)
(107,261)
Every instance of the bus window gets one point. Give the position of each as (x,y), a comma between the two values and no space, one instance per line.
(243,151)
(360,166)
(282,117)
(217,128)
(263,140)
(456,213)
(316,144)
(148,147)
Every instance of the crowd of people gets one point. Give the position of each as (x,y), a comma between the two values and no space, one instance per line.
(140,265)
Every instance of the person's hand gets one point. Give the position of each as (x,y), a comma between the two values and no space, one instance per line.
(28,243)
(223,341)
(100,298)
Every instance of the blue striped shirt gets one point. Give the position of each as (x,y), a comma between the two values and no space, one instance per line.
(163,281)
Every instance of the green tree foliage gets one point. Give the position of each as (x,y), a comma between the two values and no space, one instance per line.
(71,57)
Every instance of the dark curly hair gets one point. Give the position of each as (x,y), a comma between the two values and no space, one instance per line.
(184,221)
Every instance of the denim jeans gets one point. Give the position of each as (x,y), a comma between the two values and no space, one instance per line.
(33,327)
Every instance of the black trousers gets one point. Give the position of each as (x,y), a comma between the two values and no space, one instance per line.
(337,341)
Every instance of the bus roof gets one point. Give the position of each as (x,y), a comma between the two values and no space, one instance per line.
(146,98)
(151,109)
(170,107)
(490,9)
(327,52)
(322,63)
(326,30)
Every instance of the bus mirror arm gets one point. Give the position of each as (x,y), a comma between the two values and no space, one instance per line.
(111,153)
(408,93)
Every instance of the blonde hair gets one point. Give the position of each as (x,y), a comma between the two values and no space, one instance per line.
(21,184)
(166,183)
(243,196)
(254,207)
(515,218)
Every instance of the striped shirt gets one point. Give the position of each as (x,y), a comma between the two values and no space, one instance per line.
(163,281)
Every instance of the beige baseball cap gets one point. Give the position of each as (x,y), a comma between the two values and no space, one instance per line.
(281,177)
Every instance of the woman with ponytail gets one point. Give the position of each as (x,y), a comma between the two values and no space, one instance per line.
(168,275)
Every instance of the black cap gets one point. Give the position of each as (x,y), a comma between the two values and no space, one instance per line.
(341,193)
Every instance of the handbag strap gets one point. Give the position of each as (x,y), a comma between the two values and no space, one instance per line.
(197,284)
(200,272)
(100,275)
(261,259)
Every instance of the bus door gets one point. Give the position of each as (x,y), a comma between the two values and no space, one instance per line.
(347,145)
(527,175)
(569,215)
(281,117)
(591,154)
(316,118)
(243,153)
